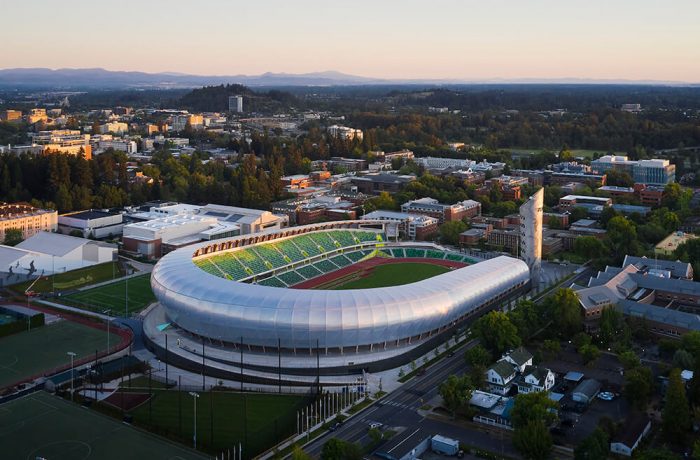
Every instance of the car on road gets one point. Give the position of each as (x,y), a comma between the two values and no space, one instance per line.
(373,425)
(606,396)
(334,427)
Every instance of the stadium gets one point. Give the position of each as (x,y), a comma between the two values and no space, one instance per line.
(335,298)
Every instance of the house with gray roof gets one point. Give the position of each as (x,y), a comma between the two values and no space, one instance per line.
(535,379)
(500,377)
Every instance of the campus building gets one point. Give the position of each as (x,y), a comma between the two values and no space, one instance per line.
(531,213)
(26,218)
(650,172)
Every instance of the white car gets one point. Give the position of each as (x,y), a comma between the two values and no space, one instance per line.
(373,425)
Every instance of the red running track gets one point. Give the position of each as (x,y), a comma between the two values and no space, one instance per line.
(371,263)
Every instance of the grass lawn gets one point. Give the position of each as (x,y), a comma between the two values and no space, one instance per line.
(45,426)
(73,279)
(258,421)
(394,274)
(111,296)
(42,349)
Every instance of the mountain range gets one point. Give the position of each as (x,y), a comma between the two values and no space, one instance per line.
(97,78)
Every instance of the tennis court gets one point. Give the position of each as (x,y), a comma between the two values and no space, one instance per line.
(35,352)
(45,426)
(111,296)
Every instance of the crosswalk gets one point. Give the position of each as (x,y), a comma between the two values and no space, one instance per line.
(397,404)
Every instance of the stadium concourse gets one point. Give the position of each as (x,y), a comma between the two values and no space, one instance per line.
(275,306)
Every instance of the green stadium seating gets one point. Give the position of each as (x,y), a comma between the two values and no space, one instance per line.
(341,261)
(272,281)
(250,259)
(432,254)
(355,256)
(289,249)
(413,252)
(323,240)
(398,252)
(290,278)
(229,265)
(343,237)
(307,244)
(308,271)
(325,266)
(269,253)
(454,257)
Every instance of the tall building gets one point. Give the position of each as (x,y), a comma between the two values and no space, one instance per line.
(531,234)
(28,219)
(235,104)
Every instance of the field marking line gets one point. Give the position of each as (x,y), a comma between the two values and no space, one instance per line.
(32,455)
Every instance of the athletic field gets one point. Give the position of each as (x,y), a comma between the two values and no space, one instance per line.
(73,279)
(111,296)
(257,421)
(381,272)
(35,352)
(45,426)
(392,275)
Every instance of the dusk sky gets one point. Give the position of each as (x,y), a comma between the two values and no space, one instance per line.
(450,39)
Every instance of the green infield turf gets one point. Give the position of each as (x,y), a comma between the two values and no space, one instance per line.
(392,275)
(73,279)
(257,421)
(45,426)
(35,352)
(111,296)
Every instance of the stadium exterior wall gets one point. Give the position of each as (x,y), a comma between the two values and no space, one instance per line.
(221,309)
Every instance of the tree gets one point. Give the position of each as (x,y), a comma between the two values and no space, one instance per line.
(683,359)
(13,236)
(621,237)
(533,440)
(564,310)
(456,392)
(638,386)
(611,326)
(675,419)
(629,360)
(449,232)
(589,353)
(299,454)
(337,449)
(478,355)
(595,447)
(532,414)
(383,201)
(589,247)
(618,178)
(496,332)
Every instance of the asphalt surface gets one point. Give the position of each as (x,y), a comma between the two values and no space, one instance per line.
(398,411)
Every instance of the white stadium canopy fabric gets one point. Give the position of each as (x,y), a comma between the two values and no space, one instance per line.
(222,309)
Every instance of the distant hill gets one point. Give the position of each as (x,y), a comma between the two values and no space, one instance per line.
(107,79)
(215,99)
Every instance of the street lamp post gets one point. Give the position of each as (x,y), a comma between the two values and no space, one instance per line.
(72,355)
(195,396)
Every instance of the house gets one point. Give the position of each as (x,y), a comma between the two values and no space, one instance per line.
(520,358)
(534,379)
(630,435)
(500,377)
(586,391)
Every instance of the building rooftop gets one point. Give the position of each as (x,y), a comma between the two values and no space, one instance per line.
(55,244)
(89,215)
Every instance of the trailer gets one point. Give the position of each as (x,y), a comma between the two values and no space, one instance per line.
(444,446)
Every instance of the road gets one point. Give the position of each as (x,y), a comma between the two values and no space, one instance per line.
(398,411)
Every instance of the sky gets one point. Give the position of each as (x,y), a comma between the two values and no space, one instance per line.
(436,39)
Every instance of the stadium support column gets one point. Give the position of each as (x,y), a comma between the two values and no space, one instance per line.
(166,360)
(241,348)
(202,363)
(531,235)
(318,368)
(279,366)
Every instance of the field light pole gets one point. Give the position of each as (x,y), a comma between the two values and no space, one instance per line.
(72,355)
(126,296)
(108,312)
(195,396)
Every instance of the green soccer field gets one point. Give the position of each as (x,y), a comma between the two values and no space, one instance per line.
(45,426)
(34,352)
(394,275)
(111,296)
(257,421)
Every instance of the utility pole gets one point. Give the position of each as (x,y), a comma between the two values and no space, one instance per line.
(72,355)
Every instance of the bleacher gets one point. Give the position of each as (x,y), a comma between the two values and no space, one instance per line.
(229,265)
(414,252)
(251,260)
(289,249)
(432,254)
(355,256)
(290,278)
(307,245)
(269,253)
(341,261)
(272,281)
(397,252)
(369,236)
(308,271)
(325,266)
(345,238)
(207,266)
(323,240)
